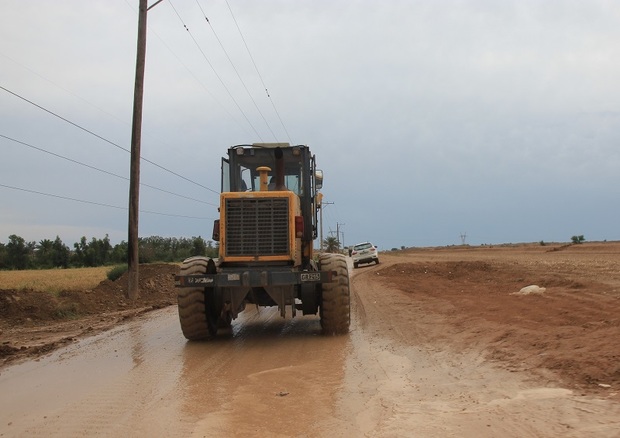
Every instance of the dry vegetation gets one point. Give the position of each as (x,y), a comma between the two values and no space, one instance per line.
(53,280)
(72,303)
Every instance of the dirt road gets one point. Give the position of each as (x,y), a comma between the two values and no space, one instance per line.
(416,363)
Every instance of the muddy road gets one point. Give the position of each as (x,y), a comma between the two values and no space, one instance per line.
(402,371)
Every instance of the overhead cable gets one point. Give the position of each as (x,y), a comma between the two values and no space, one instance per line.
(96,203)
(237,122)
(236,71)
(104,171)
(107,141)
(258,72)
(216,73)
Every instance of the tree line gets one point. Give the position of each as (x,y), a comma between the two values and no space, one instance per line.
(18,254)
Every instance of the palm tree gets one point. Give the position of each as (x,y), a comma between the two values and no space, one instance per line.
(44,253)
(331,244)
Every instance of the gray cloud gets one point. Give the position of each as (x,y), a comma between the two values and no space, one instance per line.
(430,119)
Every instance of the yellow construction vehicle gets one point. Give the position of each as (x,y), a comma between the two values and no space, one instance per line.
(267,224)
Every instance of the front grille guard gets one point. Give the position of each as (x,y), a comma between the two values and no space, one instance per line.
(257,227)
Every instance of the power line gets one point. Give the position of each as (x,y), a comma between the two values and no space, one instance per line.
(65,120)
(258,72)
(216,73)
(106,140)
(204,87)
(103,171)
(114,116)
(236,71)
(96,203)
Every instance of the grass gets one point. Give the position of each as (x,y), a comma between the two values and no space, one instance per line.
(116,272)
(54,280)
(68,311)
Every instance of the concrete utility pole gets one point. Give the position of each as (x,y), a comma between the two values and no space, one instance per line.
(338,234)
(321,238)
(136,136)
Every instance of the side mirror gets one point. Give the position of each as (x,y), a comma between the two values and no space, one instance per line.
(216,230)
(318,178)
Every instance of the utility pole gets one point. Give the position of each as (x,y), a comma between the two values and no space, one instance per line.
(321,238)
(136,136)
(338,234)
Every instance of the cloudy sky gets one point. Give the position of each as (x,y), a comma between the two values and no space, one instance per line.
(432,120)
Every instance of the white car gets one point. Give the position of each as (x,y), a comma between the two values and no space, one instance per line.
(364,253)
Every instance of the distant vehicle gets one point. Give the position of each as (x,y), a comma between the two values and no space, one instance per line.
(364,253)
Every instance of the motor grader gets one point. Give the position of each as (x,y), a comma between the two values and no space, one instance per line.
(268,221)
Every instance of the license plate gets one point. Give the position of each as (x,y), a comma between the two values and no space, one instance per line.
(311,276)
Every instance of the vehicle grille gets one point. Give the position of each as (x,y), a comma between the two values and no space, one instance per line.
(257,226)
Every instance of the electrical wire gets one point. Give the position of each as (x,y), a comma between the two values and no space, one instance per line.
(107,141)
(96,203)
(236,71)
(216,73)
(258,73)
(104,171)
(204,87)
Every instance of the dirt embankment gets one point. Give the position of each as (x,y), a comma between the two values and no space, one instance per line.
(34,323)
(568,332)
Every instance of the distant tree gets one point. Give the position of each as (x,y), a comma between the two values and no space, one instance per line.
(212,251)
(104,248)
(119,253)
(61,254)
(79,252)
(3,256)
(148,247)
(578,239)
(93,253)
(18,252)
(199,246)
(331,244)
(44,254)
(172,249)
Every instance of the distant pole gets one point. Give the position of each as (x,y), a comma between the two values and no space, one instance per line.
(340,233)
(322,204)
(134,173)
(321,238)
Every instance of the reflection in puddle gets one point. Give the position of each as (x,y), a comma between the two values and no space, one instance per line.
(269,375)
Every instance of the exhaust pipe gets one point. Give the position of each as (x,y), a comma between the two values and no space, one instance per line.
(279,169)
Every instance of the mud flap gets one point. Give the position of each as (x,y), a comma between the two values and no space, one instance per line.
(309,299)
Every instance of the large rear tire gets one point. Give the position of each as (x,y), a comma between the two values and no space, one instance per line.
(335,309)
(197,311)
